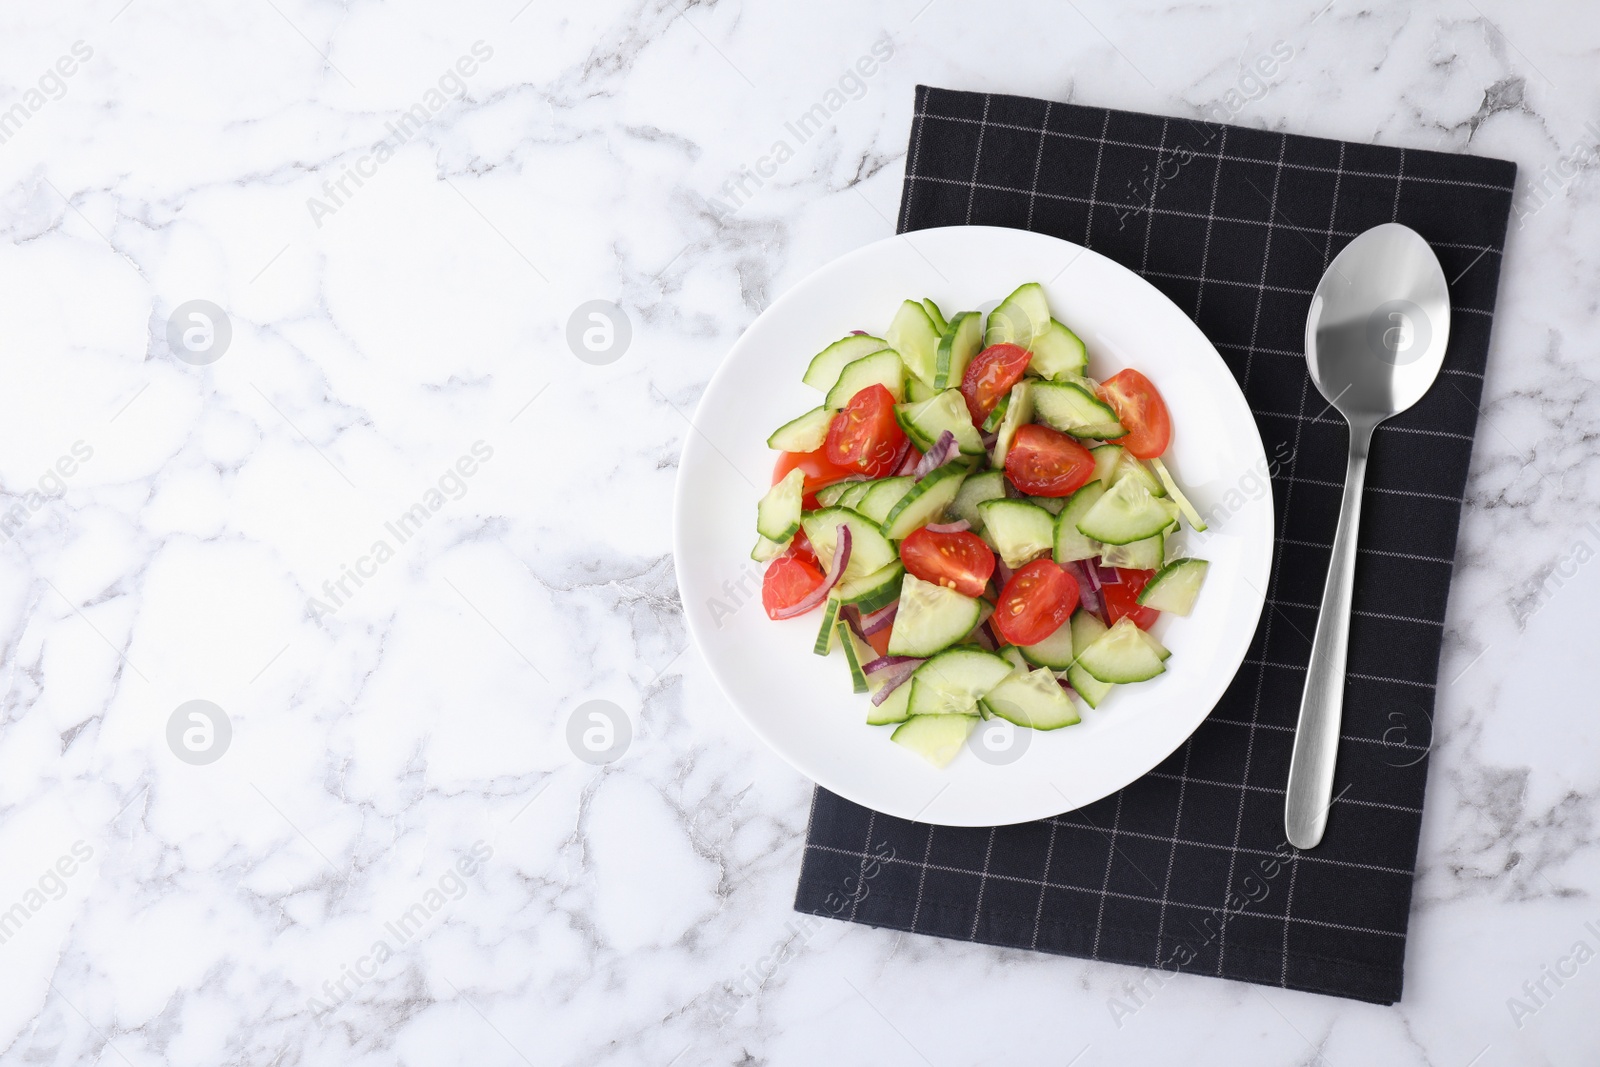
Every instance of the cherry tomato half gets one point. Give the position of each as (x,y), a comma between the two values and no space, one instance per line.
(865,435)
(990,375)
(819,471)
(788,581)
(1140,409)
(959,561)
(1034,603)
(1123,598)
(1046,462)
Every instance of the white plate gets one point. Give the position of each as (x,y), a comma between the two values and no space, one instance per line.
(800,703)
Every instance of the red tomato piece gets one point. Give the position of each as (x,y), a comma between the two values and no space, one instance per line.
(880,640)
(959,561)
(819,471)
(990,375)
(1034,603)
(865,436)
(1046,462)
(1123,598)
(1139,408)
(788,581)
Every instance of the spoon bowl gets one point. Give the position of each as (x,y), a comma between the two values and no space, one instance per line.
(1375,340)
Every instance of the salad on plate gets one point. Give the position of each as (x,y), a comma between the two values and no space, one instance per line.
(980,527)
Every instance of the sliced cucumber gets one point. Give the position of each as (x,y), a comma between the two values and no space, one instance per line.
(1072,409)
(935,316)
(894,707)
(1052,504)
(826,365)
(1190,515)
(925,420)
(1019,318)
(936,738)
(952,682)
(829,495)
(869,549)
(856,652)
(1155,645)
(1020,531)
(1013,655)
(931,618)
(1129,512)
(992,422)
(872,591)
(805,434)
(881,368)
(778,513)
(990,485)
(1144,555)
(1121,655)
(827,631)
(1057,353)
(1086,685)
(885,493)
(1175,586)
(1070,542)
(1018,414)
(1054,651)
(766,549)
(924,502)
(961,340)
(1131,466)
(1034,699)
(913,335)
(1106,460)
(852,495)
(917,390)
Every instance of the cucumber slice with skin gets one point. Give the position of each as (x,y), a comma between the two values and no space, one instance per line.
(936,738)
(1019,318)
(1128,512)
(827,632)
(1018,414)
(872,591)
(894,707)
(1074,410)
(989,485)
(935,316)
(952,682)
(1155,645)
(913,335)
(852,496)
(1106,461)
(1054,651)
(1020,531)
(883,496)
(1013,655)
(881,368)
(1086,685)
(826,365)
(1057,353)
(1034,699)
(1175,586)
(1190,514)
(962,340)
(869,550)
(924,502)
(778,513)
(1145,555)
(1052,504)
(856,652)
(927,419)
(1070,543)
(998,415)
(1130,466)
(1121,655)
(766,550)
(829,495)
(931,618)
(917,390)
(805,434)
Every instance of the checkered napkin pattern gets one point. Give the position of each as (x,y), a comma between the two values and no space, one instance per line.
(1187,869)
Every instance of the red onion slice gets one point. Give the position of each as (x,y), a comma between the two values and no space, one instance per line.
(841,560)
(985,638)
(1107,575)
(881,619)
(1002,573)
(988,440)
(1088,592)
(959,526)
(894,675)
(858,333)
(909,459)
(942,452)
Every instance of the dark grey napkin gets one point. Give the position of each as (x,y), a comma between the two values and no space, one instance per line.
(1187,868)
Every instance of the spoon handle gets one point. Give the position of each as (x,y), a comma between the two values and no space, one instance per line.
(1316,739)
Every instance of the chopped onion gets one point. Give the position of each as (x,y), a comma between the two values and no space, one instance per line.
(985,638)
(942,452)
(841,559)
(1002,573)
(858,333)
(909,459)
(878,620)
(894,670)
(884,663)
(1107,575)
(988,440)
(1088,592)
(959,526)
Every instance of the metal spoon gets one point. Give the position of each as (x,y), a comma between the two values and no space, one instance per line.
(1375,337)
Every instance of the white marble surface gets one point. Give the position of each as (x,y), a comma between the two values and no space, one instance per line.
(422,723)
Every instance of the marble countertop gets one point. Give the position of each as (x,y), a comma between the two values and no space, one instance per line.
(293,428)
